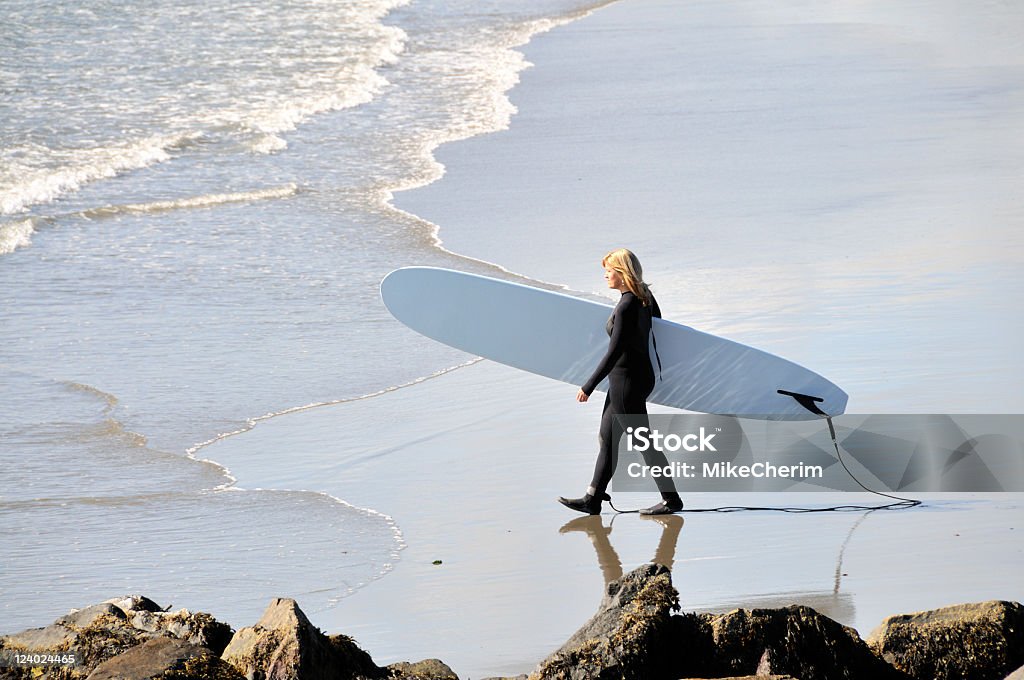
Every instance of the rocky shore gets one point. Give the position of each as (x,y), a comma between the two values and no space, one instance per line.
(636,633)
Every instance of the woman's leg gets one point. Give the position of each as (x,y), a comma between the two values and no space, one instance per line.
(631,399)
(608,436)
(605,465)
(670,500)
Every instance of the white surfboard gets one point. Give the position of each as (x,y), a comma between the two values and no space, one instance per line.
(563,337)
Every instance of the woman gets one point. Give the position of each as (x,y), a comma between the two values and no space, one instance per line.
(627,365)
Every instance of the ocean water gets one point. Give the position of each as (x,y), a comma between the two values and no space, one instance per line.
(194,218)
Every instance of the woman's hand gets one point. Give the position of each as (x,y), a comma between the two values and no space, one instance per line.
(582,396)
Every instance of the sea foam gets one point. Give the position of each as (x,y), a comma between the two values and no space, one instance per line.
(46,184)
(16,235)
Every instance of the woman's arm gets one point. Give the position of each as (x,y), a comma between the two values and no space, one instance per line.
(616,343)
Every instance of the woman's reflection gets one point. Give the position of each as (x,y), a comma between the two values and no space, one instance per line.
(611,566)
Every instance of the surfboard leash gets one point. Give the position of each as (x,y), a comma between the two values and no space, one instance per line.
(811,404)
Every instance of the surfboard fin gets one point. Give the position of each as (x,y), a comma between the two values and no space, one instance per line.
(807,401)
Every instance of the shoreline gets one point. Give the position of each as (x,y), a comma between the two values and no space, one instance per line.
(489,483)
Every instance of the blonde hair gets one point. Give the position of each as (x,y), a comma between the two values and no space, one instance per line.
(628,266)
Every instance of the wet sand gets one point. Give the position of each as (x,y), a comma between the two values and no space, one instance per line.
(470,472)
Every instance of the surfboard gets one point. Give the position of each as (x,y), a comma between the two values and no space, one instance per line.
(563,337)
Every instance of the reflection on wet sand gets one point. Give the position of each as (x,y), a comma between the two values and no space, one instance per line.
(834,604)
(611,566)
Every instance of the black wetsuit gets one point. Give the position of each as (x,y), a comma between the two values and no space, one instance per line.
(627,365)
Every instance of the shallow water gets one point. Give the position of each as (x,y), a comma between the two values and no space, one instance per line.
(193,225)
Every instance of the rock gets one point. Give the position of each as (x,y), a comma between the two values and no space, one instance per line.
(199,628)
(284,645)
(83,618)
(135,603)
(982,641)
(165,658)
(428,669)
(61,634)
(694,653)
(352,661)
(106,630)
(751,677)
(627,637)
(54,636)
(795,641)
(105,636)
